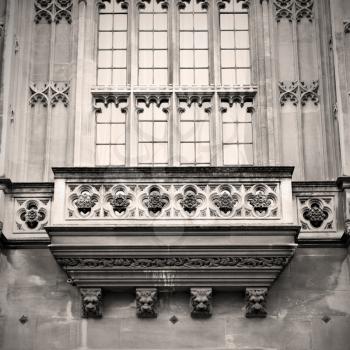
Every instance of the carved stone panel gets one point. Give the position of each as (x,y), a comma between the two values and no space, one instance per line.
(173,201)
(201,302)
(53,10)
(91,299)
(146,302)
(256,303)
(31,215)
(316,214)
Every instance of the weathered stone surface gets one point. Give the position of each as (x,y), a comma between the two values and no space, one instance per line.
(294,320)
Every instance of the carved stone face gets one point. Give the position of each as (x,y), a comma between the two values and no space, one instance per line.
(91,302)
(201,301)
(146,300)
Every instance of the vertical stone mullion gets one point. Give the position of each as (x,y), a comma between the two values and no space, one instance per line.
(79,95)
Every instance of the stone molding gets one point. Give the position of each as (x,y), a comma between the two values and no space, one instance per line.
(146,302)
(201,302)
(299,92)
(53,11)
(346,24)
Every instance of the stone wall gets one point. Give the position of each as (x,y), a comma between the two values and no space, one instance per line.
(308,308)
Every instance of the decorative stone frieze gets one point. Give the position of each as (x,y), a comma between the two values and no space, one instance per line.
(146,302)
(293,9)
(49,93)
(201,302)
(173,201)
(346,26)
(53,10)
(316,214)
(91,301)
(31,214)
(256,303)
(299,92)
(178,262)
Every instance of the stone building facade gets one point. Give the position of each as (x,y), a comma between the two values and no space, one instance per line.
(174,174)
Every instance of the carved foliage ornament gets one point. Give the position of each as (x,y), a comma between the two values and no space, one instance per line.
(49,93)
(262,200)
(53,10)
(196,262)
(296,92)
(256,303)
(91,301)
(201,302)
(293,9)
(146,302)
(190,200)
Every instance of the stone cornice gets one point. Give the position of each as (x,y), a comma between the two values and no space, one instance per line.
(173,172)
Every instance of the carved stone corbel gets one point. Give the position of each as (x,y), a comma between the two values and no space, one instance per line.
(201,302)
(256,303)
(91,302)
(146,302)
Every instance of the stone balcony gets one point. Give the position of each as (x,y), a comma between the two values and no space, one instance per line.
(227,227)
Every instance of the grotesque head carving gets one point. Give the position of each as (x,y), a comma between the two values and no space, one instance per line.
(146,302)
(256,303)
(91,302)
(200,302)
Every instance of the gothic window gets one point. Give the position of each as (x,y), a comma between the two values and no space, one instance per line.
(186,69)
(153,133)
(194,131)
(237,134)
(112,45)
(111,134)
(194,45)
(234,44)
(153,44)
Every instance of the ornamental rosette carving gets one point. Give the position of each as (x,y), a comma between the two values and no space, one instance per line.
(146,302)
(155,201)
(263,201)
(120,200)
(256,302)
(190,200)
(201,302)
(32,214)
(91,302)
(316,214)
(226,200)
(176,262)
(84,201)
